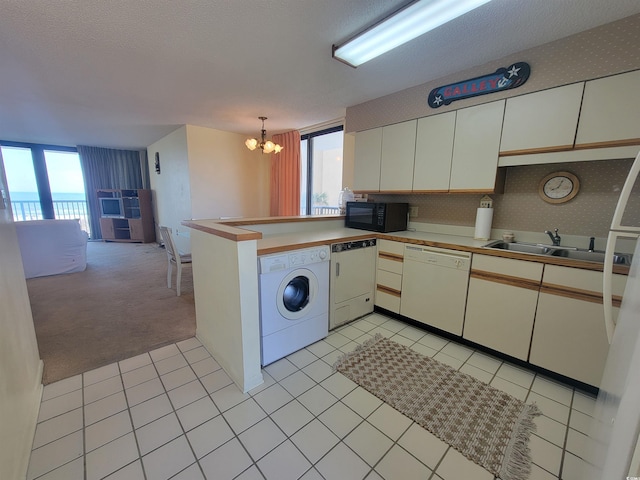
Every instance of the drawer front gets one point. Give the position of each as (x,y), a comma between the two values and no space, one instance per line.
(387,301)
(588,280)
(507,266)
(388,279)
(389,246)
(390,265)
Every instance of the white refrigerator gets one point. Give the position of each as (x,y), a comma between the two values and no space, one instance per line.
(615,442)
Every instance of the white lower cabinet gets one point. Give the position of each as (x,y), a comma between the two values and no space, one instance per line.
(501,304)
(569,337)
(389,275)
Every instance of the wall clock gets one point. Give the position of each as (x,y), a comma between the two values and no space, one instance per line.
(559,187)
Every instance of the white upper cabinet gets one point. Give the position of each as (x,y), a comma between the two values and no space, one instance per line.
(541,121)
(610,112)
(398,151)
(434,150)
(368,154)
(475,148)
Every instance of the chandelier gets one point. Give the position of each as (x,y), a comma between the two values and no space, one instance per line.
(266,146)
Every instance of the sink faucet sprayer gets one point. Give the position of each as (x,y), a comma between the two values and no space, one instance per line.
(554,238)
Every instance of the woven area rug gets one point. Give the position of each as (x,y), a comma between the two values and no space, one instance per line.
(486,425)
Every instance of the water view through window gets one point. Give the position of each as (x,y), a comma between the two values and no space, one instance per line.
(61,174)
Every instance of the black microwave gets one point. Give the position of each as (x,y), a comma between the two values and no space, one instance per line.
(377,217)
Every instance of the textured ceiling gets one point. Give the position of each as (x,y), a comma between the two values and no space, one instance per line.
(124,73)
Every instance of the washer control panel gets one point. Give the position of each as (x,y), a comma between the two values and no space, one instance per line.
(342,247)
(295,258)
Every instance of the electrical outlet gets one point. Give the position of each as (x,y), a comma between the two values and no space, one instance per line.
(413,212)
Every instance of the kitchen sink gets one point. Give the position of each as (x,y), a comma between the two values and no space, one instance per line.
(562,252)
(594,256)
(521,247)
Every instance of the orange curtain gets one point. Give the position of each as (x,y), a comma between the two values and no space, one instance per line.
(285,175)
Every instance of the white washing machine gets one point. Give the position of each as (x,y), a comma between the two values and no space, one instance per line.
(294,301)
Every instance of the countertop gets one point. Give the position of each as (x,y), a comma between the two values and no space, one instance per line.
(240,230)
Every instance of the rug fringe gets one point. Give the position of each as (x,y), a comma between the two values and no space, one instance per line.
(363,346)
(518,466)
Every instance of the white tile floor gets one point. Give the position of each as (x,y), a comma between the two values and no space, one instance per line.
(174,413)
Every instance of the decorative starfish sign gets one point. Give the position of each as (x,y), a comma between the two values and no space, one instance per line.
(503,79)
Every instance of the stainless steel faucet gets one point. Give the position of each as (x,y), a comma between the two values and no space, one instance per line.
(555,239)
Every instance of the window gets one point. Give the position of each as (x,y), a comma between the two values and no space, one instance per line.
(321,171)
(44,181)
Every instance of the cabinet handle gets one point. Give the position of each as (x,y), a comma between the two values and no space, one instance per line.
(337,269)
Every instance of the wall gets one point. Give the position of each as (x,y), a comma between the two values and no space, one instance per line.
(602,51)
(20,365)
(171,188)
(206,173)
(595,53)
(227,179)
(225,278)
(520,208)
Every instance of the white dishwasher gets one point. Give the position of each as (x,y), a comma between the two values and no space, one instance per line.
(434,286)
(352,282)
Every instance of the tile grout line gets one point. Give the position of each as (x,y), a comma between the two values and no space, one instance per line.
(175,412)
(296,368)
(133,428)
(84,431)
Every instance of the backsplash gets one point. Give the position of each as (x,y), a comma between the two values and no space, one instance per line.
(521,208)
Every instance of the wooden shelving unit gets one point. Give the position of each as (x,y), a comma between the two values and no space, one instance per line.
(134,222)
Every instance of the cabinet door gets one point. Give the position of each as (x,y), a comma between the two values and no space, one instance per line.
(136,230)
(500,316)
(542,121)
(610,111)
(434,148)
(570,338)
(475,148)
(398,152)
(106,226)
(368,154)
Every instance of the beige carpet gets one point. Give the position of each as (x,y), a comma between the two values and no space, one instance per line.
(117,308)
(486,425)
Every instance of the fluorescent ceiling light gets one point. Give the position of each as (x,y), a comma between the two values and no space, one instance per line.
(406,24)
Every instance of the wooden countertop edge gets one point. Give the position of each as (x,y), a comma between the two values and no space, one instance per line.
(225,231)
(316,243)
(240,222)
(562,262)
(229,229)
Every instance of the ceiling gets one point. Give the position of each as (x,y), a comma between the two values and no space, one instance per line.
(124,73)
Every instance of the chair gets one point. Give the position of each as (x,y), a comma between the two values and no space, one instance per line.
(173,257)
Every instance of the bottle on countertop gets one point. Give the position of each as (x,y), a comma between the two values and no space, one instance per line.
(346,195)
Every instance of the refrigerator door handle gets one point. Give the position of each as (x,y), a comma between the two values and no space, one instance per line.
(617,230)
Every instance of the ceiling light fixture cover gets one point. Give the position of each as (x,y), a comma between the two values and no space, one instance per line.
(404,25)
(267,146)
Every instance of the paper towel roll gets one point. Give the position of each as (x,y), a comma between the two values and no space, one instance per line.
(484,216)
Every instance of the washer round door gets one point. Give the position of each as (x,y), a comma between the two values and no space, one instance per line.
(297,293)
